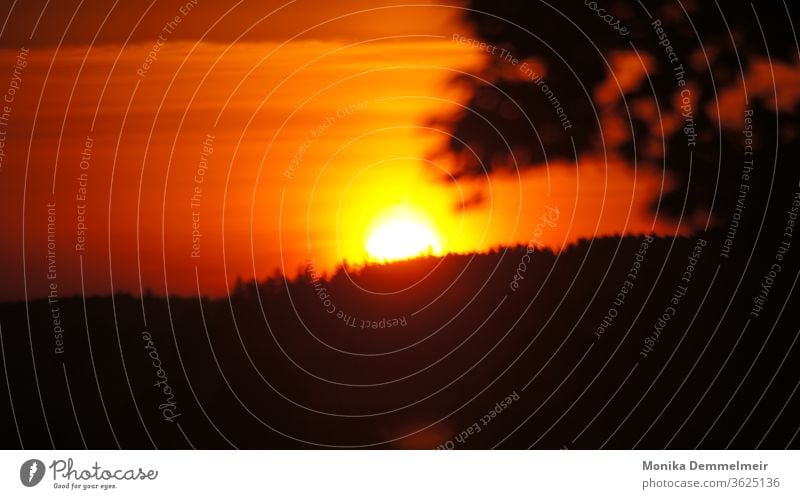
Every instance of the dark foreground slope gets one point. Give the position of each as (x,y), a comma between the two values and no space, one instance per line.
(437,351)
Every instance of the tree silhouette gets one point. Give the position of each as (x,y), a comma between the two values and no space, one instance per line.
(702,51)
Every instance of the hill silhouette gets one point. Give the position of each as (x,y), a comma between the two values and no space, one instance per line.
(413,354)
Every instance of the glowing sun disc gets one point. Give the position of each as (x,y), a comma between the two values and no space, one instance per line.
(402,238)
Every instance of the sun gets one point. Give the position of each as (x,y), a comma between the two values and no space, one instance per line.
(401,234)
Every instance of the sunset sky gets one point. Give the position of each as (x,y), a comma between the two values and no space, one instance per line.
(271,141)
(271,224)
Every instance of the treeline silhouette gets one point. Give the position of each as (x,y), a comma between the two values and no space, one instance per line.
(411,354)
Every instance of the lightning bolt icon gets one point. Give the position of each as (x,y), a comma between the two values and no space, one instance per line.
(32,471)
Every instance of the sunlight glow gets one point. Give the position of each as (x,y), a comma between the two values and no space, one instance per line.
(400,235)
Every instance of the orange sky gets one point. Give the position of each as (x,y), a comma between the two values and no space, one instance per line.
(312,139)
